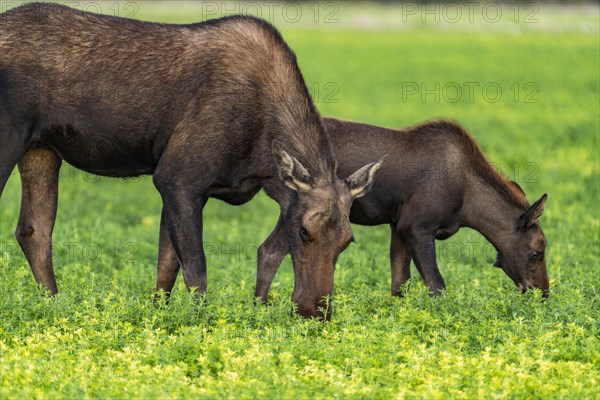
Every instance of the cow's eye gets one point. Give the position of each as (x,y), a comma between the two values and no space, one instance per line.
(536,255)
(304,233)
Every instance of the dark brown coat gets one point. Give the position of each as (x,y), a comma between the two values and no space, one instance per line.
(214,109)
(435,181)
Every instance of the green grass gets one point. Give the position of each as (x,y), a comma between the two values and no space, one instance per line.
(102,337)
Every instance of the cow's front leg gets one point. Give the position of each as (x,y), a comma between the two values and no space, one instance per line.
(182,215)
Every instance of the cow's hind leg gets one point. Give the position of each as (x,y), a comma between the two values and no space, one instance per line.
(39,170)
(13,145)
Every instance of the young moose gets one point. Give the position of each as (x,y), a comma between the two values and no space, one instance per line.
(215,109)
(435,181)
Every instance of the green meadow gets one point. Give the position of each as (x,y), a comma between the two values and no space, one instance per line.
(529,94)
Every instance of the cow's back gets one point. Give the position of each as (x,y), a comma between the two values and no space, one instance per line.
(107,93)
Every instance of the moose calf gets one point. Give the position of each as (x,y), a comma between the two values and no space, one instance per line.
(435,181)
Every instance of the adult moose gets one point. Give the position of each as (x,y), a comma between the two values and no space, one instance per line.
(435,181)
(215,109)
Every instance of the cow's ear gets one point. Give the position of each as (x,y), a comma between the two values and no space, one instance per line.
(360,182)
(289,169)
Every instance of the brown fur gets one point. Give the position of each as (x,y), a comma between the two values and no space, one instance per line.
(435,181)
(202,107)
(479,163)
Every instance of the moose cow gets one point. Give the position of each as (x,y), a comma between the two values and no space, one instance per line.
(213,109)
(436,180)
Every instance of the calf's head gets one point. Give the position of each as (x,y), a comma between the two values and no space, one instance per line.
(523,258)
(316,219)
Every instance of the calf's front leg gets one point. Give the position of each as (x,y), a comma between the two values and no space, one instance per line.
(422,250)
(270,255)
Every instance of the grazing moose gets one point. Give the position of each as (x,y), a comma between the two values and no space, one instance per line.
(214,109)
(436,180)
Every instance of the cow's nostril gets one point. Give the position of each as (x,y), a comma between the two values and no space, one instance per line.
(315,310)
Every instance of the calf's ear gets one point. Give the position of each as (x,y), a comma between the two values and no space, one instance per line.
(360,182)
(289,169)
(534,212)
(499,260)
